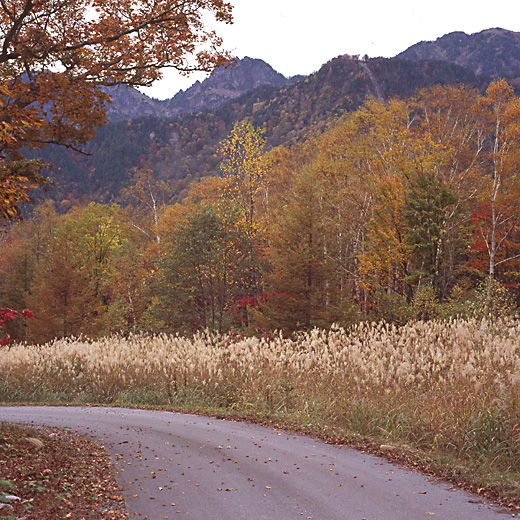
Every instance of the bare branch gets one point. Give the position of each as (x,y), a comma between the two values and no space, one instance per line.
(507,259)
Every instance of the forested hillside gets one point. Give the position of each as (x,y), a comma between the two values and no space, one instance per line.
(182,149)
(402,209)
(371,189)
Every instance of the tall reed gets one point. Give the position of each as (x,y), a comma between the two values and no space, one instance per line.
(453,385)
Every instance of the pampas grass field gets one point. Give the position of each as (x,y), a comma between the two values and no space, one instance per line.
(450,387)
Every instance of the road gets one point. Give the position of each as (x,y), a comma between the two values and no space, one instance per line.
(171,465)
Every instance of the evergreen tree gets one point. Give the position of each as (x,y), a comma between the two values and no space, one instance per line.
(202,272)
(429,217)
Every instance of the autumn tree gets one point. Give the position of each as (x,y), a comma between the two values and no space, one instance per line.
(332,159)
(377,155)
(422,171)
(94,236)
(362,161)
(452,118)
(244,168)
(55,55)
(62,297)
(384,260)
(125,286)
(243,165)
(59,266)
(299,278)
(502,185)
(148,198)
(17,268)
(28,244)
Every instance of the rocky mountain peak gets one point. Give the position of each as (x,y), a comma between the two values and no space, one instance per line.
(225,83)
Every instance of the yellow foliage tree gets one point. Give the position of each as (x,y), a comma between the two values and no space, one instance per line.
(502,184)
(244,167)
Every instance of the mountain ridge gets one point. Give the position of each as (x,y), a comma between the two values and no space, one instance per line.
(492,52)
(224,84)
(489,53)
(182,148)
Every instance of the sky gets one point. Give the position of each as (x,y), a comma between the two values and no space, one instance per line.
(298,36)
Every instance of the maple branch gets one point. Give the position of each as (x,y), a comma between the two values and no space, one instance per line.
(6,9)
(181,19)
(17,23)
(60,143)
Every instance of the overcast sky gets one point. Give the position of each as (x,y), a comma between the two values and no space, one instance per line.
(298,36)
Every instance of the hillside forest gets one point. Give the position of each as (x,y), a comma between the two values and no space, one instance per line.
(183,149)
(401,210)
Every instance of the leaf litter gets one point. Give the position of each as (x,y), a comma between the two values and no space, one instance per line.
(62,476)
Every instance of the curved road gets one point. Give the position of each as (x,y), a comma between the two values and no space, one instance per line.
(171,465)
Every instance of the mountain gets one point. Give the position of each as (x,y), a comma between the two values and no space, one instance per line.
(183,148)
(225,83)
(128,103)
(178,138)
(493,52)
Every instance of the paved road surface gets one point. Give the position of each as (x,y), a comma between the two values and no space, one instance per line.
(175,466)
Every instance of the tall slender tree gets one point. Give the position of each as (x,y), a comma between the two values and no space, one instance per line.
(502,186)
(243,165)
(299,278)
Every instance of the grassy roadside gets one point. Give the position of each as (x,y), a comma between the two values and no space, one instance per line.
(440,396)
(50,474)
(477,476)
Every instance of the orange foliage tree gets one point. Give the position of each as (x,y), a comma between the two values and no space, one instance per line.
(55,55)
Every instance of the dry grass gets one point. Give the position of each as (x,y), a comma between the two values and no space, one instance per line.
(447,387)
